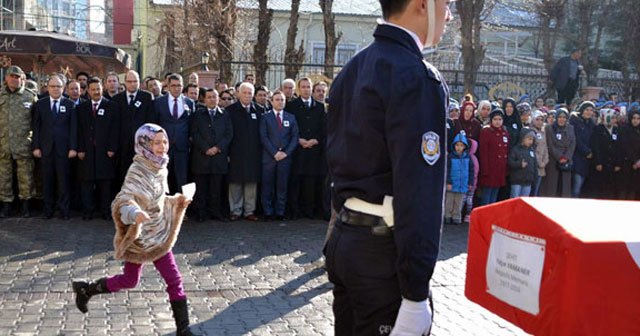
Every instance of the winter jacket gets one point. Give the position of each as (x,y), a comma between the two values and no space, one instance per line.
(583,130)
(460,167)
(542,152)
(144,188)
(471,127)
(604,143)
(561,142)
(494,152)
(629,145)
(517,174)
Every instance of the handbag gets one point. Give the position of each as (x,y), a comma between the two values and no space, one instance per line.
(565,167)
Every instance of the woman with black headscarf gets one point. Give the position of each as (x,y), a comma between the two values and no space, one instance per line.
(512,120)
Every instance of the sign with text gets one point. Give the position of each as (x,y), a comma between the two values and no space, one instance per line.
(514,269)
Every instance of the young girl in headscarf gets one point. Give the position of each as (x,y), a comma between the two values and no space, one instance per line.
(147,226)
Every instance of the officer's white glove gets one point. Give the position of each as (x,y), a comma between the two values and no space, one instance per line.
(414,319)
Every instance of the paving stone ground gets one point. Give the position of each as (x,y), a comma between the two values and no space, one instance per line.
(241,279)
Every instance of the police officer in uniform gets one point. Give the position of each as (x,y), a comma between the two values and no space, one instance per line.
(387,157)
(15,141)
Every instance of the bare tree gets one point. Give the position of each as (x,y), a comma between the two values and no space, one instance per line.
(293,57)
(472,50)
(223,28)
(551,16)
(198,26)
(331,39)
(265,16)
(585,11)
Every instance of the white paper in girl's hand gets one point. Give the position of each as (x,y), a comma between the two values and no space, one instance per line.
(189,190)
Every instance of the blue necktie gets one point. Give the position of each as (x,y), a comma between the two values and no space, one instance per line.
(54,109)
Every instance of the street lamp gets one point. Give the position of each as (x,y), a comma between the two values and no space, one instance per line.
(205,60)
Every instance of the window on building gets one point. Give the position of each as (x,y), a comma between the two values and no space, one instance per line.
(317,55)
(344,53)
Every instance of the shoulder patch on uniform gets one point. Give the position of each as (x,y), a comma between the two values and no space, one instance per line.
(430,147)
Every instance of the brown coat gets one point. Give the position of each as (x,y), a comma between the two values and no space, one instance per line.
(145,187)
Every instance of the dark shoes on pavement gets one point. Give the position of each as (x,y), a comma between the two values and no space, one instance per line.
(85,290)
(252,218)
(24,204)
(181,316)
(5,209)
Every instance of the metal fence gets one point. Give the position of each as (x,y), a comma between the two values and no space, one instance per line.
(523,76)
(276,72)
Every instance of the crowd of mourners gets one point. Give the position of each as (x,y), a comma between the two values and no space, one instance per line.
(258,154)
(253,153)
(506,148)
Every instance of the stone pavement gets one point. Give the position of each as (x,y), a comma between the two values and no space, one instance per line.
(241,278)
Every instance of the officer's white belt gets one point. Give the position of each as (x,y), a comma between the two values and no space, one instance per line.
(385,210)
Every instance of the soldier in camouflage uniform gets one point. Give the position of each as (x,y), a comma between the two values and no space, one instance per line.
(15,140)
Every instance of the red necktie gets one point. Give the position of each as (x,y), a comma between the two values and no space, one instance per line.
(95,108)
(175,108)
(279,120)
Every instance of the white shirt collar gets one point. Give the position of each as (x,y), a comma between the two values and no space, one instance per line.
(415,37)
(51,99)
(96,102)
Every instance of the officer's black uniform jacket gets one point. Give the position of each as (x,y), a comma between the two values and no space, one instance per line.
(381,104)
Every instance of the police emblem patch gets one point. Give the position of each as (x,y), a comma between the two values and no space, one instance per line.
(430,147)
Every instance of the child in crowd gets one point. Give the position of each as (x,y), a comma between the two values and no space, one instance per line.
(494,151)
(542,152)
(473,148)
(511,120)
(522,164)
(467,124)
(147,226)
(525,113)
(459,179)
(484,108)
(454,110)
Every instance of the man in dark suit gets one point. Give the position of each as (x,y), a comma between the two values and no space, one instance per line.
(565,76)
(309,166)
(260,100)
(111,86)
(55,138)
(98,127)
(279,137)
(174,112)
(136,108)
(212,132)
(74,92)
(244,155)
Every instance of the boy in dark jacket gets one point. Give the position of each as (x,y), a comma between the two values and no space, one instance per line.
(523,169)
(460,178)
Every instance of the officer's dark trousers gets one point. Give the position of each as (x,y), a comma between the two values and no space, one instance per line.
(362,268)
(275,178)
(88,199)
(208,196)
(56,170)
